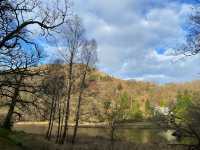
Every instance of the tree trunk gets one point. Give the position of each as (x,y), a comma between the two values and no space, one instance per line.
(112,131)
(79,106)
(7,124)
(59,121)
(53,118)
(50,120)
(61,126)
(66,117)
(65,132)
(51,126)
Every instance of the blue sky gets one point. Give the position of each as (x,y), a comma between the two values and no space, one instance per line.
(137,38)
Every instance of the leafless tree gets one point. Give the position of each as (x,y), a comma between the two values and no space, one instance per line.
(16,80)
(73,37)
(192,45)
(19,50)
(19,17)
(54,87)
(88,60)
(188,126)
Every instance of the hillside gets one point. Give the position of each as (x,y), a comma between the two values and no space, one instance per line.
(138,95)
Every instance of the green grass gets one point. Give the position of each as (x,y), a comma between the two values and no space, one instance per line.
(4,133)
(11,139)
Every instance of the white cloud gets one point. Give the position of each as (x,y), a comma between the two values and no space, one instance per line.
(129,31)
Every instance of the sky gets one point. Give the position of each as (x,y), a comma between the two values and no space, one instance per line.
(137,38)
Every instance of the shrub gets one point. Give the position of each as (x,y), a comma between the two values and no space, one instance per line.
(119,87)
(93,78)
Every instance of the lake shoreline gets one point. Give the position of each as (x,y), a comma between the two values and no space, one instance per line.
(22,140)
(135,125)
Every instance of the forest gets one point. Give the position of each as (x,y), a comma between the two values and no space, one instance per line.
(67,102)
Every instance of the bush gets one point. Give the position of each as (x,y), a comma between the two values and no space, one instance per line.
(184,101)
(93,78)
(138,115)
(119,87)
(106,78)
(124,101)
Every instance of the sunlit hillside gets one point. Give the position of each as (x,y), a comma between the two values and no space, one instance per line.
(101,88)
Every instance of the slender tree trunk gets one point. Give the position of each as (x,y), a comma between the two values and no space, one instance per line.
(62,125)
(77,119)
(53,117)
(50,120)
(65,132)
(59,121)
(79,104)
(112,132)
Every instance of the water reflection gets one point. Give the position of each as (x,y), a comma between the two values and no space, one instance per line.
(131,134)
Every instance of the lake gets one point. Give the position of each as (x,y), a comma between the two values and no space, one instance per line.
(130,133)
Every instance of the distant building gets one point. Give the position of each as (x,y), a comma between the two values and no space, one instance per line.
(161,110)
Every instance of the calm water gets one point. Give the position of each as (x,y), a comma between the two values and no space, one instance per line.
(129,134)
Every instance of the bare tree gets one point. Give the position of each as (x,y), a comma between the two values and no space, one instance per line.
(192,45)
(54,88)
(187,126)
(74,39)
(18,49)
(18,17)
(15,80)
(88,60)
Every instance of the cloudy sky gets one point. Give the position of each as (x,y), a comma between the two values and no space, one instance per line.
(136,38)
